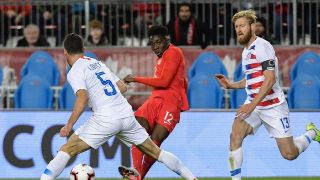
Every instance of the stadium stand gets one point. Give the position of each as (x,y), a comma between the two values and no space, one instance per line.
(31,92)
(304,93)
(238,73)
(121,25)
(308,63)
(42,63)
(207,63)
(67,97)
(128,20)
(237,98)
(204,92)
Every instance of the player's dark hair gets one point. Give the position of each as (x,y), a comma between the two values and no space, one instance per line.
(185,4)
(73,44)
(262,21)
(158,30)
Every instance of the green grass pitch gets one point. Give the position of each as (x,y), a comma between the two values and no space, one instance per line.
(269,178)
(302,178)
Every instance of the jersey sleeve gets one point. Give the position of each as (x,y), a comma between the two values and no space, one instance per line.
(76,79)
(266,52)
(172,61)
(115,77)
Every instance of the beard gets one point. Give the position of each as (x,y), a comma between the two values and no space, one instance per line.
(245,39)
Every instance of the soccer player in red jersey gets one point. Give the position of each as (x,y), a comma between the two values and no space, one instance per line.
(161,112)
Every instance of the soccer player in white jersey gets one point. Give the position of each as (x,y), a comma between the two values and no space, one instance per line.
(94,83)
(265,103)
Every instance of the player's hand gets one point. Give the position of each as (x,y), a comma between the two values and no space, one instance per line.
(65,130)
(244,111)
(128,79)
(222,81)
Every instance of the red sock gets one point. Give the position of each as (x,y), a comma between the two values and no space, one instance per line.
(137,156)
(147,162)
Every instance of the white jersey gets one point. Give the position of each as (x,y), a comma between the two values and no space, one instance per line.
(105,97)
(259,51)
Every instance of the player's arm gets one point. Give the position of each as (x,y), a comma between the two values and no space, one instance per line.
(230,85)
(269,80)
(79,106)
(239,84)
(169,70)
(120,83)
(122,86)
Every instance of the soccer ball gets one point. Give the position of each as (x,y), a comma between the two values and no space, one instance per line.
(82,172)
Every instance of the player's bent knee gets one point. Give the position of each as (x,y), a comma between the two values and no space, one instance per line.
(236,137)
(158,139)
(67,150)
(289,155)
(71,150)
(235,140)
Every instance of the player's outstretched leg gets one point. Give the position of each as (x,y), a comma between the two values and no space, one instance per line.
(147,162)
(291,148)
(73,147)
(175,165)
(158,135)
(171,161)
(56,166)
(302,142)
(137,157)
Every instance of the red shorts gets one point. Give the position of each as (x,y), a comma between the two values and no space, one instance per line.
(158,111)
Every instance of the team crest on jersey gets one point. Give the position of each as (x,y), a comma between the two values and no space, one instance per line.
(248,56)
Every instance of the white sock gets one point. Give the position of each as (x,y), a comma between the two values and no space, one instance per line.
(235,162)
(302,142)
(311,134)
(55,166)
(174,164)
(46,177)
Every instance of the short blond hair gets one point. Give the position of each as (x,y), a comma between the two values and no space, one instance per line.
(250,15)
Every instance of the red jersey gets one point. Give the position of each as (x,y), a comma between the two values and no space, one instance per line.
(169,79)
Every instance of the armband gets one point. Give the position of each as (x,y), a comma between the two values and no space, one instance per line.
(268,65)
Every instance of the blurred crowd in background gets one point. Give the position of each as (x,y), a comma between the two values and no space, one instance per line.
(203,28)
(125,23)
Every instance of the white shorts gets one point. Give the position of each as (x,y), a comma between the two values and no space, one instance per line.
(276,120)
(99,129)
